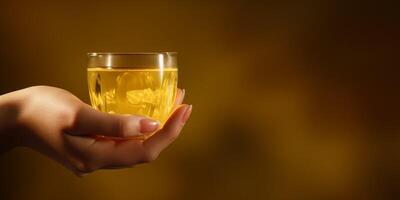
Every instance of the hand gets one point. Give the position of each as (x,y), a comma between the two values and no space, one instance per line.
(59,125)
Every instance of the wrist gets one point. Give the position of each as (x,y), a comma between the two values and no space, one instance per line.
(10,128)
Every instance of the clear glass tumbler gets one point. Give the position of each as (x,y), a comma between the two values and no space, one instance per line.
(133,83)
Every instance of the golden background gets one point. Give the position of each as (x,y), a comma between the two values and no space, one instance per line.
(291,99)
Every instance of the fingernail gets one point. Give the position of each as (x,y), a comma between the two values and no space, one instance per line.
(187,113)
(183,93)
(148,125)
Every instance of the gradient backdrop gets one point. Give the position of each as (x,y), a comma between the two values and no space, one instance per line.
(292,99)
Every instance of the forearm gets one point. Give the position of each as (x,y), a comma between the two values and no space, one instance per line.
(9,111)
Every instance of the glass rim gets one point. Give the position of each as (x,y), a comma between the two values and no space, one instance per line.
(172,53)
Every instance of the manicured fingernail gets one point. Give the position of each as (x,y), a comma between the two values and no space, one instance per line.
(148,125)
(187,113)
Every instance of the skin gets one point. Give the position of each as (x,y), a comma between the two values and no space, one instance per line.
(54,122)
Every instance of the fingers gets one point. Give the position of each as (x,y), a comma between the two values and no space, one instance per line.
(131,152)
(92,122)
(90,154)
(93,154)
(164,137)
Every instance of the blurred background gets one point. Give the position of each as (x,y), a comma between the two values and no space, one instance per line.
(292,99)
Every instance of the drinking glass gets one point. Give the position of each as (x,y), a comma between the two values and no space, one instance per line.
(133,83)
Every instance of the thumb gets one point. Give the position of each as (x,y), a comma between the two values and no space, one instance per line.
(89,121)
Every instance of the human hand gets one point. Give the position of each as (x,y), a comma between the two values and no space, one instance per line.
(59,125)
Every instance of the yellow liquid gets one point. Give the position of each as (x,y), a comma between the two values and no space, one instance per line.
(147,92)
